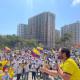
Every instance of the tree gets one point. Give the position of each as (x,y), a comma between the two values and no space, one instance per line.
(58,43)
(14,41)
(31,43)
(66,40)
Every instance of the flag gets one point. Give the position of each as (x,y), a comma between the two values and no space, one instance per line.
(40,49)
(7,49)
(34,55)
(36,51)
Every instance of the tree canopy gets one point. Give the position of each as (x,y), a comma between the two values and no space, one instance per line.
(13,41)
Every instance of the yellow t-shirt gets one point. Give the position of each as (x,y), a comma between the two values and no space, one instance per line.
(1,74)
(4,62)
(70,66)
(11,72)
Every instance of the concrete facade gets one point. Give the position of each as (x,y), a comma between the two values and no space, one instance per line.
(42,28)
(74,29)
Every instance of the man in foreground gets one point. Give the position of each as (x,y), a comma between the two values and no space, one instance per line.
(67,70)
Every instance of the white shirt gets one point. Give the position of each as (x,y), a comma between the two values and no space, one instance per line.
(15,66)
(33,68)
(19,69)
(26,67)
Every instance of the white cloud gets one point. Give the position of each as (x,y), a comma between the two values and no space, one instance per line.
(75,2)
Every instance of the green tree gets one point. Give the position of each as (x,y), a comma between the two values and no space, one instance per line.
(66,40)
(14,41)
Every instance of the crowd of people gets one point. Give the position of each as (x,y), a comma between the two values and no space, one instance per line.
(20,63)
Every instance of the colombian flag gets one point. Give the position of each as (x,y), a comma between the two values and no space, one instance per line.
(35,53)
(40,49)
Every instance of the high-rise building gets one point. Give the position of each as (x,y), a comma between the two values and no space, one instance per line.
(22,30)
(57,38)
(74,30)
(57,34)
(64,29)
(42,28)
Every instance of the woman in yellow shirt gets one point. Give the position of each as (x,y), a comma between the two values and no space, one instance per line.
(69,70)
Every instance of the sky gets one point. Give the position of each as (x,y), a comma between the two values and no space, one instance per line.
(14,12)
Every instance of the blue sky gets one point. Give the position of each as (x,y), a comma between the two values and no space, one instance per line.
(13,12)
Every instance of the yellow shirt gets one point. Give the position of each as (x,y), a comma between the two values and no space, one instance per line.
(1,74)
(4,62)
(70,66)
(11,72)
(1,68)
